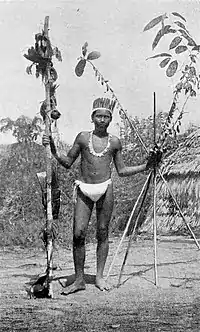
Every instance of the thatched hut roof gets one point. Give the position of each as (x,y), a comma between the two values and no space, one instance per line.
(185,161)
(182,173)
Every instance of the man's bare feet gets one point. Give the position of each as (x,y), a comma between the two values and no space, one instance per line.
(77,286)
(102,284)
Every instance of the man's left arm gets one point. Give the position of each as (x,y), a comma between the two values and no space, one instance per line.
(120,166)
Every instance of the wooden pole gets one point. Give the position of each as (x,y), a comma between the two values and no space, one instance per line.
(49,219)
(134,229)
(127,225)
(154,198)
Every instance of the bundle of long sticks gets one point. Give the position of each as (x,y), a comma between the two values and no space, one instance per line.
(155,173)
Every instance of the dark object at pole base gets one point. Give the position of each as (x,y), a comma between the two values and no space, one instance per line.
(39,289)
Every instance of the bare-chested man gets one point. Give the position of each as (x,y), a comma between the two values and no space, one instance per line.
(98,149)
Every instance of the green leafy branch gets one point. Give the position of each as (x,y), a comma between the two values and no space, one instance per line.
(79,70)
(189,81)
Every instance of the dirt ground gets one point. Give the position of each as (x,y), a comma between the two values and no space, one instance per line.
(137,305)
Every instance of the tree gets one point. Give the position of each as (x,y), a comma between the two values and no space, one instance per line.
(24,129)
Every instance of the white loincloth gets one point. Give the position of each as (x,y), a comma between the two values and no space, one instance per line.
(92,190)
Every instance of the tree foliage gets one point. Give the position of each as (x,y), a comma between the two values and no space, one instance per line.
(24,129)
(188,81)
(22,214)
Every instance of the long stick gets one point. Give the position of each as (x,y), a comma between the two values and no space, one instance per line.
(155,229)
(131,123)
(49,218)
(154,197)
(127,225)
(134,229)
(179,209)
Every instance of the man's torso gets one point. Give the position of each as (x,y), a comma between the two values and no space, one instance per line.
(96,157)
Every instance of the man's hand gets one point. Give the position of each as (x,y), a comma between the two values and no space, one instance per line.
(154,158)
(46,140)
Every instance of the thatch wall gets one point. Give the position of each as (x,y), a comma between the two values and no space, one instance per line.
(182,173)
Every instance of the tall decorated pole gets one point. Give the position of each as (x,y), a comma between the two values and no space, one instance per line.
(41,57)
(49,218)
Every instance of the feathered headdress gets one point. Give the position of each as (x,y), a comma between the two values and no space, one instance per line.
(103,103)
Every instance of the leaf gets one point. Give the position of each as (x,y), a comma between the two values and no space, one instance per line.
(53,74)
(181,48)
(170,31)
(172,68)
(161,33)
(93,55)
(159,55)
(164,62)
(179,86)
(179,15)
(80,67)
(171,111)
(28,69)
(184,34)
(181,25)
(157,39)
(193,71)
(84,48)
(177,129)
(192,57)
(196,48)
(154,22)
(57,54)
(191,42)
(166,28)
(175,42)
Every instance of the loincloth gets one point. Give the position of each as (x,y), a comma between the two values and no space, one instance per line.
(92,190)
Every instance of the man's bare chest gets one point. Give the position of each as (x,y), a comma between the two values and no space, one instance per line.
(99,146)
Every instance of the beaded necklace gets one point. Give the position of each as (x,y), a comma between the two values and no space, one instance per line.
(91,149)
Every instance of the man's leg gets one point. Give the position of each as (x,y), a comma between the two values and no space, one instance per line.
(104,209)
(82,214)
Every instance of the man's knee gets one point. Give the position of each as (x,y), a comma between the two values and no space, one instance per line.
(102,234)
(79,238)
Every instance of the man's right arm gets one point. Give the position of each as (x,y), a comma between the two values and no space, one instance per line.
(72,155)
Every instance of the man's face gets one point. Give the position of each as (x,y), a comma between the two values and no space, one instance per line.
(101,118)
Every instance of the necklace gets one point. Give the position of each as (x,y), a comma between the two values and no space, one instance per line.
(91,149)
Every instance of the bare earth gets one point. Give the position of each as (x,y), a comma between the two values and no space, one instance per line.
(137,305)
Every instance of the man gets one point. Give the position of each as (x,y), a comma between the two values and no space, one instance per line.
(98,149)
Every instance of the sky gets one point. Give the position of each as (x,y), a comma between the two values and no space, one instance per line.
(112,27)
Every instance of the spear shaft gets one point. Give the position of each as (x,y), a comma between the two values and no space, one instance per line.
(154,196)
